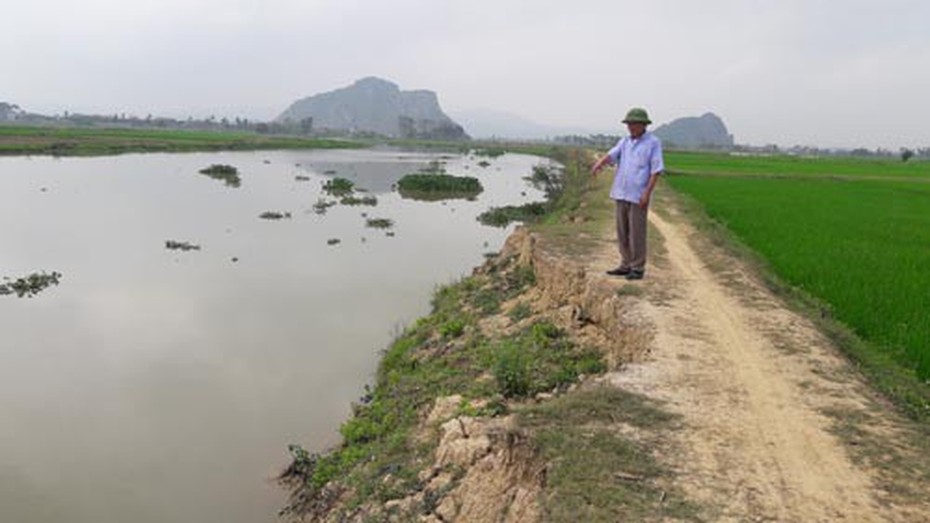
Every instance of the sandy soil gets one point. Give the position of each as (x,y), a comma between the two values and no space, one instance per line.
(754,383)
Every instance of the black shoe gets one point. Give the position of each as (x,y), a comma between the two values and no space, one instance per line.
(619,271)
(635,275)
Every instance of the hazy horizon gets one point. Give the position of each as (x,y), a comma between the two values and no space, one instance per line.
(780,72)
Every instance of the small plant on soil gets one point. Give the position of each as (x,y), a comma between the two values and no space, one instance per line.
(452,328)
(519,312)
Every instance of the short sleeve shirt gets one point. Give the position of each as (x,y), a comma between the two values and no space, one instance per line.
(636,161)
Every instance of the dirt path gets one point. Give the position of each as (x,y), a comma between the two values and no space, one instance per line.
(754,384)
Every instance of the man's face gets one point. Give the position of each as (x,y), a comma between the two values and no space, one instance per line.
(636,129)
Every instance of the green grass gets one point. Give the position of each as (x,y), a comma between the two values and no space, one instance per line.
(597,475)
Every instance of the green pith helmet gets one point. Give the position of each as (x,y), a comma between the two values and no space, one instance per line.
(637,115)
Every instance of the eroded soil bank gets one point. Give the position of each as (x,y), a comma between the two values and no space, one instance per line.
(712,400)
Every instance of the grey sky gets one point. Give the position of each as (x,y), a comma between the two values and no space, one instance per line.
(787,72)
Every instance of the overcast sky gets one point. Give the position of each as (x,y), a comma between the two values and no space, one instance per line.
(850,73)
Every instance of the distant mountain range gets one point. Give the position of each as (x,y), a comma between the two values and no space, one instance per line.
(706,131)
(374,105)
(378,107)
(485,123)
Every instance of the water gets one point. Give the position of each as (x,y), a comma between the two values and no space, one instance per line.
(156,385)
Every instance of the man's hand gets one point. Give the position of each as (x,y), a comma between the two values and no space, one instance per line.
(644,200)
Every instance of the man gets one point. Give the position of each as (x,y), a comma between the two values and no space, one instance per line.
(639,163)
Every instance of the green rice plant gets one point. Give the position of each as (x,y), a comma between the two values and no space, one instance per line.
(857,244)
(680,162)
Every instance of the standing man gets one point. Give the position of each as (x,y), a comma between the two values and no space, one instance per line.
(639,162)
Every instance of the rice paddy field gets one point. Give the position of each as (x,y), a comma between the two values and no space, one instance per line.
(92,141)
(854,234)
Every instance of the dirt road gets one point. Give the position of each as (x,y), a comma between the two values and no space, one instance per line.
(776,426)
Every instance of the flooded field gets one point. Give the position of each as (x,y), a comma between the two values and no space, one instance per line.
(198,326)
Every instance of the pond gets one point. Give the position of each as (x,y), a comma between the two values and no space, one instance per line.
(156,384)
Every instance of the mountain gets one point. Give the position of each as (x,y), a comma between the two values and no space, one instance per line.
(703,132)
(485,123)
(9,111)
(373,105)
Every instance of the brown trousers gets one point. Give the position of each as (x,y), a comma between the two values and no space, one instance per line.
(631,235)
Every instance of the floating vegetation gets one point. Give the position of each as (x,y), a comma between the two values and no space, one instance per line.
(274,215)
(390,234)
(29,286)
(333,241)
(227,173)
(356,200)
(503,216)
(328,171)
(432,187)
(379,223)
(338,187)
(322,205)
(172,245)
(302,178)
(484,163)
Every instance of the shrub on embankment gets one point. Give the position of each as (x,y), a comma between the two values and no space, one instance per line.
(444,353)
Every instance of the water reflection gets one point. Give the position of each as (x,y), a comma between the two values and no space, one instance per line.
(159,385)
